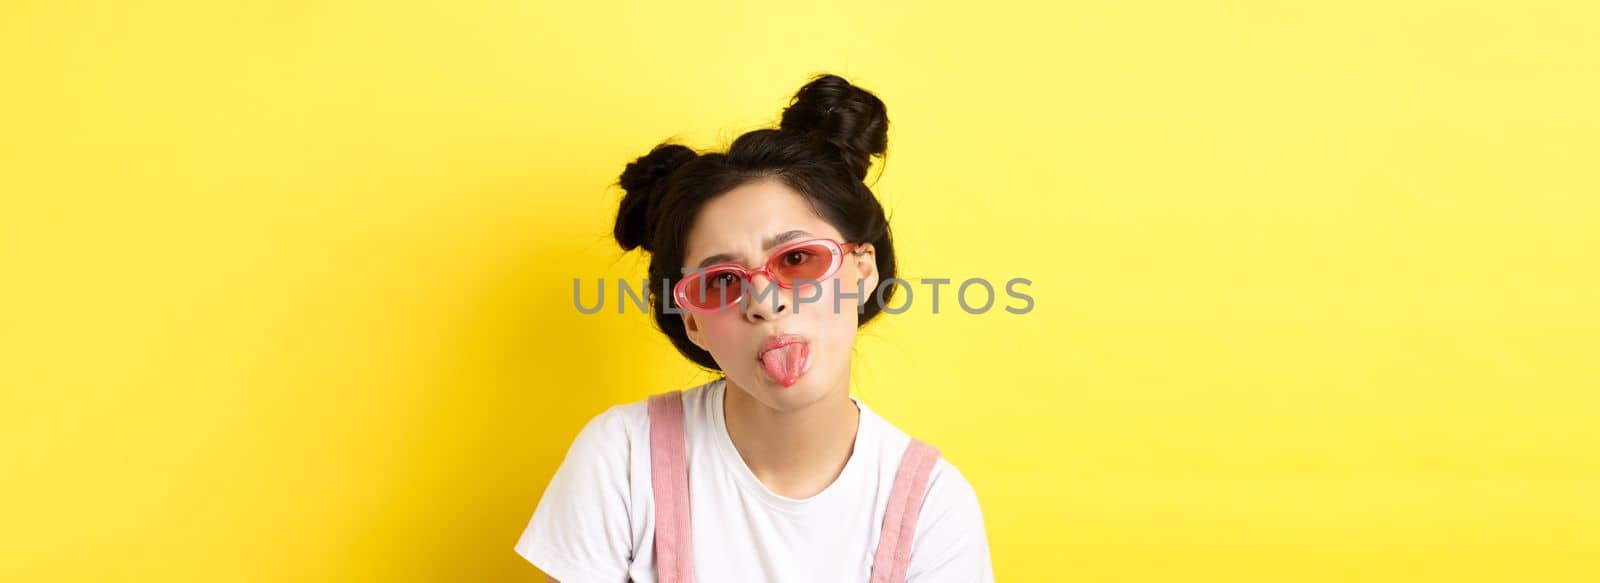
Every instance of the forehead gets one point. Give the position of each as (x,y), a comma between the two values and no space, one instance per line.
(737,222)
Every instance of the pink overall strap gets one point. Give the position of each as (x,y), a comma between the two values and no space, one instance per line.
(893,557)
(669,477)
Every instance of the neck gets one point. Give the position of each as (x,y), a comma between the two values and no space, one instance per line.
(795,453)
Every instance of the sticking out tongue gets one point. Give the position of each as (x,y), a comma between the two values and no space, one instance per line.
(785,363)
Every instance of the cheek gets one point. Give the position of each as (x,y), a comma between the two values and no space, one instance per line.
(723,332)
(838,327)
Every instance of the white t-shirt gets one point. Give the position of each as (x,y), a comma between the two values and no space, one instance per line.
(596,521)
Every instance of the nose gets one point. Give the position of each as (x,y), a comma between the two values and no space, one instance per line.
(764,300)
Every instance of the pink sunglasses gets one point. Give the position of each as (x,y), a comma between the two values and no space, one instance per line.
(719,286)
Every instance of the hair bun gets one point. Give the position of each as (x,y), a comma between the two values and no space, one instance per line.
(643,179)
(852,119)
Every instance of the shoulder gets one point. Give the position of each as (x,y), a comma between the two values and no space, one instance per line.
(588,524)
(948,489)
(608,432)
(950,543)
(626,423)
(951,495)
(945,481)
(581,528)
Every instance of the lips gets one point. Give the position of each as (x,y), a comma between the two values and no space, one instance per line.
(784,356)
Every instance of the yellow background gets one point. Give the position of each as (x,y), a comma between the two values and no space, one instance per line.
(287,285)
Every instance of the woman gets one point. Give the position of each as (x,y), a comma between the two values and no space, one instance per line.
(773,252)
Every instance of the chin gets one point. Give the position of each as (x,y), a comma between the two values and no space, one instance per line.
(805,391)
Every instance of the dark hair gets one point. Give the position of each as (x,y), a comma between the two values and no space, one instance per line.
(822,148)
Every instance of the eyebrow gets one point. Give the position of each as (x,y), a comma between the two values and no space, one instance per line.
(771,242)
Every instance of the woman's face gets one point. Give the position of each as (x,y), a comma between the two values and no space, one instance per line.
(746,224)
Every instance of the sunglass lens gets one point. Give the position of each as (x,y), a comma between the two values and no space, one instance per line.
(712,289)
(804,262)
